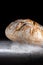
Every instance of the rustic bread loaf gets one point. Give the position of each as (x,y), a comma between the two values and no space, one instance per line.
(25,31)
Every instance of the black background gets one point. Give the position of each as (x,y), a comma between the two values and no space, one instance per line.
(7,15)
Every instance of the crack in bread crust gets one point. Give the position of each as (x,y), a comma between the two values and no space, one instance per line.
(20,25)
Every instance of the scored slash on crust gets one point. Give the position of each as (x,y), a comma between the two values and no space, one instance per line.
(20,25)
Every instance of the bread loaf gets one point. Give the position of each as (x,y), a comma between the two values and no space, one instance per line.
(25,31)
